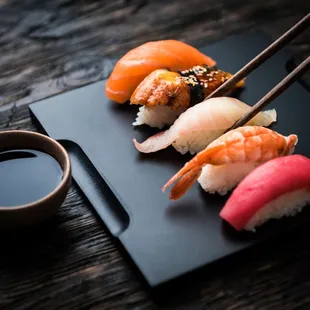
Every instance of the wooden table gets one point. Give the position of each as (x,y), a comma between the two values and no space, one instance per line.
(47,47)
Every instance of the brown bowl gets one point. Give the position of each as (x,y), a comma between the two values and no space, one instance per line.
(26,215)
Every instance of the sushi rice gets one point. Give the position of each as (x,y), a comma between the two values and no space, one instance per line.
(158,116)
(222,179)
(284,206)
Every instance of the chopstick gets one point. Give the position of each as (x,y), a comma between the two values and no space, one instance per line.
(256,62)
(262,57)
(273,93)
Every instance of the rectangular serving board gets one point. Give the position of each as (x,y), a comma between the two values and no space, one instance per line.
(165,239)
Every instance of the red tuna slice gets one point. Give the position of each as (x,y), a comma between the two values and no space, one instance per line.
(264,184)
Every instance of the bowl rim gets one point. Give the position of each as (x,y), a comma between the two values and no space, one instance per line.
(66,170)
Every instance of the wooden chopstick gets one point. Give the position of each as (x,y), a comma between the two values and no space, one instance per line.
(262,57)
(273,93)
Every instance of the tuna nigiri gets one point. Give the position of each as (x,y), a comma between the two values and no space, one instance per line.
(201,124)
(228,159)
(139,62)
(278,188)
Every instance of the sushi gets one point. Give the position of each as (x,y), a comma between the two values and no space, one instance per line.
(228,159)
(139,62)
(278,188)
(164,95)
(164,78)
(201,124)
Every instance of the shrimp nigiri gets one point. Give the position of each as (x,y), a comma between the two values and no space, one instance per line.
(277,188)
(201,124)
(228,159)
(139,62)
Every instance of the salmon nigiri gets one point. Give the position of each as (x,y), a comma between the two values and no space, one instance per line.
(227,160)
(139,62)
(278,188)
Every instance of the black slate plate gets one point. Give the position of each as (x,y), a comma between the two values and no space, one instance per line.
(165,239)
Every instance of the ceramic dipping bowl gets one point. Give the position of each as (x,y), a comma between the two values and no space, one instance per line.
(15,217)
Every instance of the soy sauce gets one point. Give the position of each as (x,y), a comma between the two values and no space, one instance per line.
(26,176)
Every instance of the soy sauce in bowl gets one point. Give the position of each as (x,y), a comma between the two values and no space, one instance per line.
(26,176)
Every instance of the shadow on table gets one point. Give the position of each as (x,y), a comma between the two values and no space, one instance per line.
(20,251)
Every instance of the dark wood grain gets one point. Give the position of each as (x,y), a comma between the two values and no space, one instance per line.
(47,47)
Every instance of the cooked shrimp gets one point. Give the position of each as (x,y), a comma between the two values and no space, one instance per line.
(245,144)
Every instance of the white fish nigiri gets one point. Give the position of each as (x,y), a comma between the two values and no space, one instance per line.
(201,124)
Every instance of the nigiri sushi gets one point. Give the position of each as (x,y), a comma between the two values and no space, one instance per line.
(278,188)
(139,62)
(164,94)
(201,124)
(228,159)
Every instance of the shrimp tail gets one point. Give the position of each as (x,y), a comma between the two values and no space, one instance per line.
(186,169)
(202,158)
(184,184)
